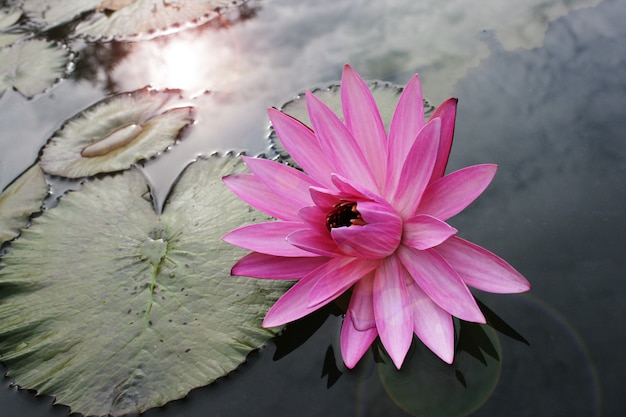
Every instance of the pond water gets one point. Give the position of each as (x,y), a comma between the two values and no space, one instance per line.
(542,93)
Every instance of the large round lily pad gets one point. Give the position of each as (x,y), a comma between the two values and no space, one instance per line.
(116,132)
(20,200)
(112,308)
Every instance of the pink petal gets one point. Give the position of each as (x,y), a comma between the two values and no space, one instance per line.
(314,217)
(313,241)
(372,241)
(447,113)
(394,318)
(251,190)
(442,284)
(374,212)
(293,304)
(480,268)
(269,238)
(288,183)
(339,275)
(323,198)
(423,232)
(405,194)
(432,324)
(338,143)
(351,189)
(354,343)
(407,121)
(363,120)
(451,194)
(302,145)
(361,307)
(259,265)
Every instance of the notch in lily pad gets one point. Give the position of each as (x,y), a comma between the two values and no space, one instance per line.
(117,132)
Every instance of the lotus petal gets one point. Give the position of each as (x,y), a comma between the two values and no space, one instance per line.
(386,96)
(114,309)
(115,133)
(382,215)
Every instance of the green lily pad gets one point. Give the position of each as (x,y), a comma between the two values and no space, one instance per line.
(147,17)
(32,66)
(112,308)
(20,200)
(113,134)
(7,19)
(385,94)
(47,14)
(124,18)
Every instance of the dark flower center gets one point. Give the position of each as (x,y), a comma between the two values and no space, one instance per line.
(344,214)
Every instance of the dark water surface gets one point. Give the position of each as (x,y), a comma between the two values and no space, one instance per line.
(543,96)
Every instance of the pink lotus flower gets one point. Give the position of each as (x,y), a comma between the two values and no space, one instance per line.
(368,214)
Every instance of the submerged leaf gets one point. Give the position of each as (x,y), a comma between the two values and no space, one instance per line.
(113,134)
(385,94)
(32,66)
(20,200)
(113,309)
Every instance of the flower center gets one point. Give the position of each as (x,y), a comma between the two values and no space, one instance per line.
(344,214)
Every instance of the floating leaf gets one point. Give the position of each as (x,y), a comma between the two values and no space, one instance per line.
(385,94)
(32,66)
(20,200)
(124,18)
(7,19)
(142,17)
(113,309)
(426,386)
(115,133)
(48,14)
